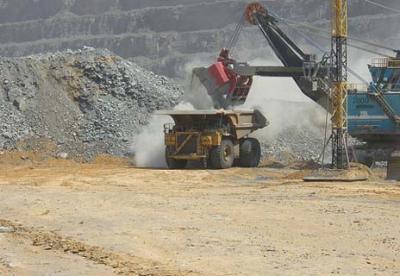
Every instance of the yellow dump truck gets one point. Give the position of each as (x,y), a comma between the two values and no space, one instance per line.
(216,138)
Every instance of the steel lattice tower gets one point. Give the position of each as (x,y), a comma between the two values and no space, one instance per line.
(339,84)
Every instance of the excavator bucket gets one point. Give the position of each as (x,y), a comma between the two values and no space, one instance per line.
(215,88)
(225,86)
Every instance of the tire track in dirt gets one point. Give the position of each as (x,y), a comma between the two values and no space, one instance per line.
(123,264)
(4,269)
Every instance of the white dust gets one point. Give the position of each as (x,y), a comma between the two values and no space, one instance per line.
(148,146)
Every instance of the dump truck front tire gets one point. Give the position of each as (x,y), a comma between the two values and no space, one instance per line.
(174,164)
(250,153)
(222,156)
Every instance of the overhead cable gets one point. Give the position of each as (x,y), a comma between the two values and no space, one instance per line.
(236,34)
(382,6)
(311,27)
(349,44)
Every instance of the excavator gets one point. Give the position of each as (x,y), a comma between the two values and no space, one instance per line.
(373,111)
(228,82)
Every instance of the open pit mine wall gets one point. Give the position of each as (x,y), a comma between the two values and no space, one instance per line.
(159,34)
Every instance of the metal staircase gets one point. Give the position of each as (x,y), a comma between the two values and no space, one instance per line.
(386,107)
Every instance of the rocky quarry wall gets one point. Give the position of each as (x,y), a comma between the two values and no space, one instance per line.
(164,34)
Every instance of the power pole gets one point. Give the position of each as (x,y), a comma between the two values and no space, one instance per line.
(339,84)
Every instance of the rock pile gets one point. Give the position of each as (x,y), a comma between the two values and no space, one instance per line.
(87,102)
(295,144)
(296,132)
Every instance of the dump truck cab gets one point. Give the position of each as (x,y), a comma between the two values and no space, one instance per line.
(215,137)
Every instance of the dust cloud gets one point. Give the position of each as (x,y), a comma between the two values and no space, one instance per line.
(148,146)
(358,62)
(284,105)
(195,92)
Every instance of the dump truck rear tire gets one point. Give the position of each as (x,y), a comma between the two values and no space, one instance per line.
(363,158)
(174,164)
(222,156)
(250,153)
(393,169)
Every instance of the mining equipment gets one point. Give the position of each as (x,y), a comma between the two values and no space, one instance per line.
(371,114)
(216,138)
(393,170)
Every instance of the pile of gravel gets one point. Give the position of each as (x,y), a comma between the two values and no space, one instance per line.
(87,102)
(295,144)
(300,143)
(296,131)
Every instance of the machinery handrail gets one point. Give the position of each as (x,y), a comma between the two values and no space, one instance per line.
(386,62)
(380,62)
(357,87)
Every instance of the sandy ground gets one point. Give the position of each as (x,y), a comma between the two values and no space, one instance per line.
(109,218)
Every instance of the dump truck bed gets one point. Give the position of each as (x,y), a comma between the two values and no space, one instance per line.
(244,122)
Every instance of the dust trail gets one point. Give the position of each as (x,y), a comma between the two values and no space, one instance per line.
(148,146)
(195,92)
(282,102)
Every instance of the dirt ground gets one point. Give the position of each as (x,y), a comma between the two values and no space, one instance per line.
(110,218)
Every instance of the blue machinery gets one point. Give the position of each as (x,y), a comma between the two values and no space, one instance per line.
(374,112)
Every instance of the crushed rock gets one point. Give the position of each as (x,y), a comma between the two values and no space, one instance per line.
(294,144)
(87,102)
